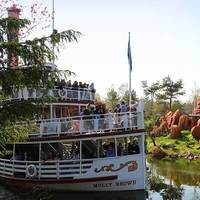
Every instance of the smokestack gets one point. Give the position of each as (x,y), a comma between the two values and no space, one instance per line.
(13,12)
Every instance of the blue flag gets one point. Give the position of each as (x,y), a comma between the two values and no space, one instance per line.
(129,52)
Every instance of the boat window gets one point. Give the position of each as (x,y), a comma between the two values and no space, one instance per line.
(89,149)
(108,147)
(6,151)
(128,146)
(60,151)
(27,152)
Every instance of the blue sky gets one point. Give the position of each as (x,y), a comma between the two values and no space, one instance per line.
(164,39)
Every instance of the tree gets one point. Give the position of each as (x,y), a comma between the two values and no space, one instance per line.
(124,94)
(171,90)
(112,98)
(150,91)
(30,70)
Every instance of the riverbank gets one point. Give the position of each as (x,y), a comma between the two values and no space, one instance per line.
(185,147)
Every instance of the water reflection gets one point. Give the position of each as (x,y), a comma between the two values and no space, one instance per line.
(178,180)
(167,181)
(10,193)
(178,172)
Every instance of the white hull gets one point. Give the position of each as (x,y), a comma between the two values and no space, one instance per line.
(124,173)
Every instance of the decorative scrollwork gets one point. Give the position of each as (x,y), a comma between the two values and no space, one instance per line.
(132,166)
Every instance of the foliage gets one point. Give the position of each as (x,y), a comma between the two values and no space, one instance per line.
(115,97)
(168,192)
(183,146)
(170,90)
(30,71)
(112,98)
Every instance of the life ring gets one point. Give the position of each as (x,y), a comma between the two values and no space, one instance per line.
(62,93)
(31,171)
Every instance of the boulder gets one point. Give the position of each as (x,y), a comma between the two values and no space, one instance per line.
(157,152)
(196,132)
(175,118)
(175,132)
(184,122)
(168,118)
(193,122)
(198,122)
(198,101)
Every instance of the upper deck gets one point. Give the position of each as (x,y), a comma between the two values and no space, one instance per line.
(89,125)
(59,93)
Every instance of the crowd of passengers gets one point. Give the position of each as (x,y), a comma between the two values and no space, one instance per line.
(99,112)
(108,150)
(75,85)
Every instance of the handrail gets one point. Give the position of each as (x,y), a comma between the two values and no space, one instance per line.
(64,93)
(87,123)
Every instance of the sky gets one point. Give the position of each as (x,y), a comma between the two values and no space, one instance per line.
(165,40)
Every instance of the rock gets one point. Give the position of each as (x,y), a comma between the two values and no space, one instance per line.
(175,118)
(198,101)
(184,122)
(168,118)
(175,132)
(158,152)
(196,132)
(198,122)
(162,129)
(193,122)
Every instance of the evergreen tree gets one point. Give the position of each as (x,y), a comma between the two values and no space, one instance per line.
(23,64)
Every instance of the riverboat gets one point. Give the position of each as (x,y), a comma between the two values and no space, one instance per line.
(67,150)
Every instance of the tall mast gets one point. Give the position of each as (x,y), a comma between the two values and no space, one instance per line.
(53,26)
(130,67)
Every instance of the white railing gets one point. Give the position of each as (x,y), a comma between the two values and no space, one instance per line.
(87,124)
(64,94)
(45,169)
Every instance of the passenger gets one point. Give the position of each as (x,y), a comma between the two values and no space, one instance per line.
(69,84)
(120,149)
(87,119)
(133,147)
(110,152)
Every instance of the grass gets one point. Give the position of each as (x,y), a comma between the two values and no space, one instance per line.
(184,145)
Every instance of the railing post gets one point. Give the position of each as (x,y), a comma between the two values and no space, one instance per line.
(96,124)
(39,166)
(80,157)
(57,170)
(79,95)
(140,119)
(41,128)
(59,128)
(126,120)
(81,126)
(110,121)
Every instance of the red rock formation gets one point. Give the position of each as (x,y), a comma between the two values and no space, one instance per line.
(175,118)
(184,122)
(193,122)
(168,118)
(196,132)
(198,122)
(175,132)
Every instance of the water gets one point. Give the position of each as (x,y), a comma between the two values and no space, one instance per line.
(167,181)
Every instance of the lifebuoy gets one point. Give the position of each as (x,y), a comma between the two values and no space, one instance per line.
(62,93)
(31,171)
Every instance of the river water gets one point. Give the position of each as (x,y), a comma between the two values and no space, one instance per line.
(178,180)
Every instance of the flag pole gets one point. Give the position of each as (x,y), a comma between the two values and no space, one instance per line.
(130,69)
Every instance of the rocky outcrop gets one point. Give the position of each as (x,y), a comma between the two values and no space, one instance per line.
(175,132)
(197,109)
(196,132)
(175,118)
(184,122)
